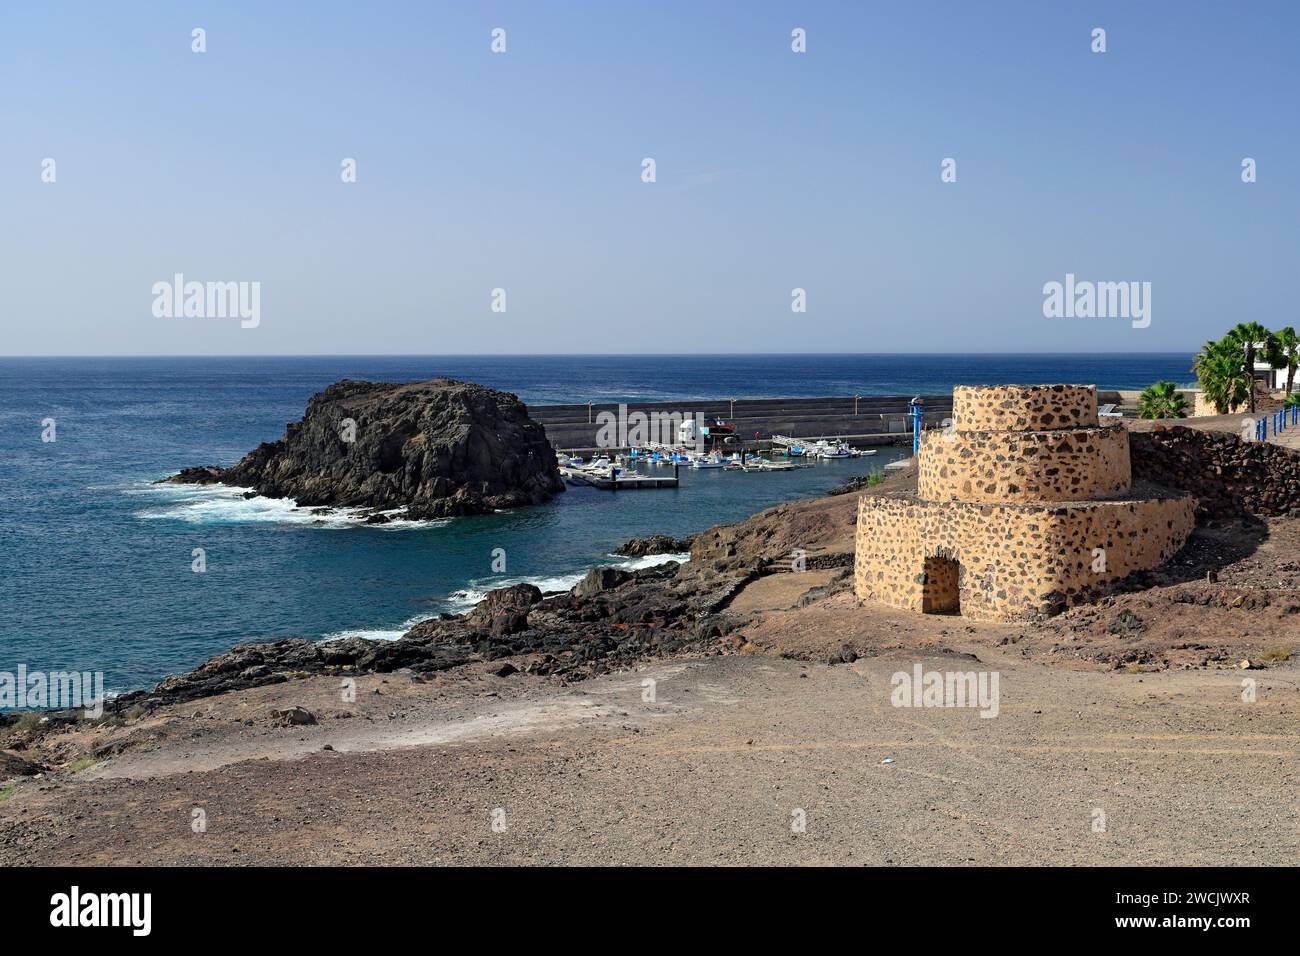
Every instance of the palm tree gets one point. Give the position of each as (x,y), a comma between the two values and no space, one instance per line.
(1251,337)
(1162,400)
(1286,353)
(1222,375)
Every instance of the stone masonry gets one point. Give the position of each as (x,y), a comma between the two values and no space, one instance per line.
(1023,507)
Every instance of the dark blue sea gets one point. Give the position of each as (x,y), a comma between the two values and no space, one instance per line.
(96,562)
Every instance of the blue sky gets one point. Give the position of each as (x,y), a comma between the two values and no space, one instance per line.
(521,171)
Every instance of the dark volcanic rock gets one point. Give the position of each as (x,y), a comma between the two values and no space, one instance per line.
(1229,477)
(616,620)
(655,544)
(515,596)
(200,475)
(437,448)
(12,765)
(856,483)
(599,579)
(505,610)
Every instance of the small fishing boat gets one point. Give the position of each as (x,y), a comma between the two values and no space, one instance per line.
(828,449)
(708,461)
(601,467)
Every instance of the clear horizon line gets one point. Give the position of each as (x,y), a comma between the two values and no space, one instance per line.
(415,355)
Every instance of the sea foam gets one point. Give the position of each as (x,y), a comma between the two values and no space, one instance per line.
(225,504)
(458,602)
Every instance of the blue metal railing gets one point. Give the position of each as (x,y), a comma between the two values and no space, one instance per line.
(1281,420)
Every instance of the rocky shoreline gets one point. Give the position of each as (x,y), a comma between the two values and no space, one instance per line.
(614,618)
(611,619)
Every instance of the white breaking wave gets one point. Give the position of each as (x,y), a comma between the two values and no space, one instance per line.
(458,602)
(649,560)
(224,504)
(461,601)
(379,634)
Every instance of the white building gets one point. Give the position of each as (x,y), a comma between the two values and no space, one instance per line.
(1274,378)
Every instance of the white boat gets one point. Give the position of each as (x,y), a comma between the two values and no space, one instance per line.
(829,449)
(601,467)
(712,461)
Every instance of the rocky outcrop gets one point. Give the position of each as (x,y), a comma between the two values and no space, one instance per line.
(14,765)
(1228,476)
(599,579)
(818,533)
(655,544)
(437,448)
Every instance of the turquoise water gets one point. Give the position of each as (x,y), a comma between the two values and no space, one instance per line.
(95,562)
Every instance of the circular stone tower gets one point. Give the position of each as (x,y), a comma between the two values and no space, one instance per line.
(1023,506)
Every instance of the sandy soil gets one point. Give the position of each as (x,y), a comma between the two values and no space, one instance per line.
(714,769)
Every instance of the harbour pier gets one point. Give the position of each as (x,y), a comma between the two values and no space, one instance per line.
(859,420)
(614,482)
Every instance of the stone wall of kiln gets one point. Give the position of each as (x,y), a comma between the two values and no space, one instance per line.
(1016,561)
(1024,507)
(1021,408)
(1074,465)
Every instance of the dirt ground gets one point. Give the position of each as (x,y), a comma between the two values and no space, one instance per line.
(739,758)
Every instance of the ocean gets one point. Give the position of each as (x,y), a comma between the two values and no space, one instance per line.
(96,562)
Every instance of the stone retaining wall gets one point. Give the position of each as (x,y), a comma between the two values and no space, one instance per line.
(1228,476)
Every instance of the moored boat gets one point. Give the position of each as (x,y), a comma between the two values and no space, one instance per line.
(708,461)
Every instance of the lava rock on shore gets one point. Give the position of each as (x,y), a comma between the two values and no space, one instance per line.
(438,448)
(655,544)
(613,619)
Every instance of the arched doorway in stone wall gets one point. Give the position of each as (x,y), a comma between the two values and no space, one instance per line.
(941,589)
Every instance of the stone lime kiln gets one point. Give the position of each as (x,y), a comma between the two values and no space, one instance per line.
(1024,506)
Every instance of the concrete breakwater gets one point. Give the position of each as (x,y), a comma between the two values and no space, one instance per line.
(868,420)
